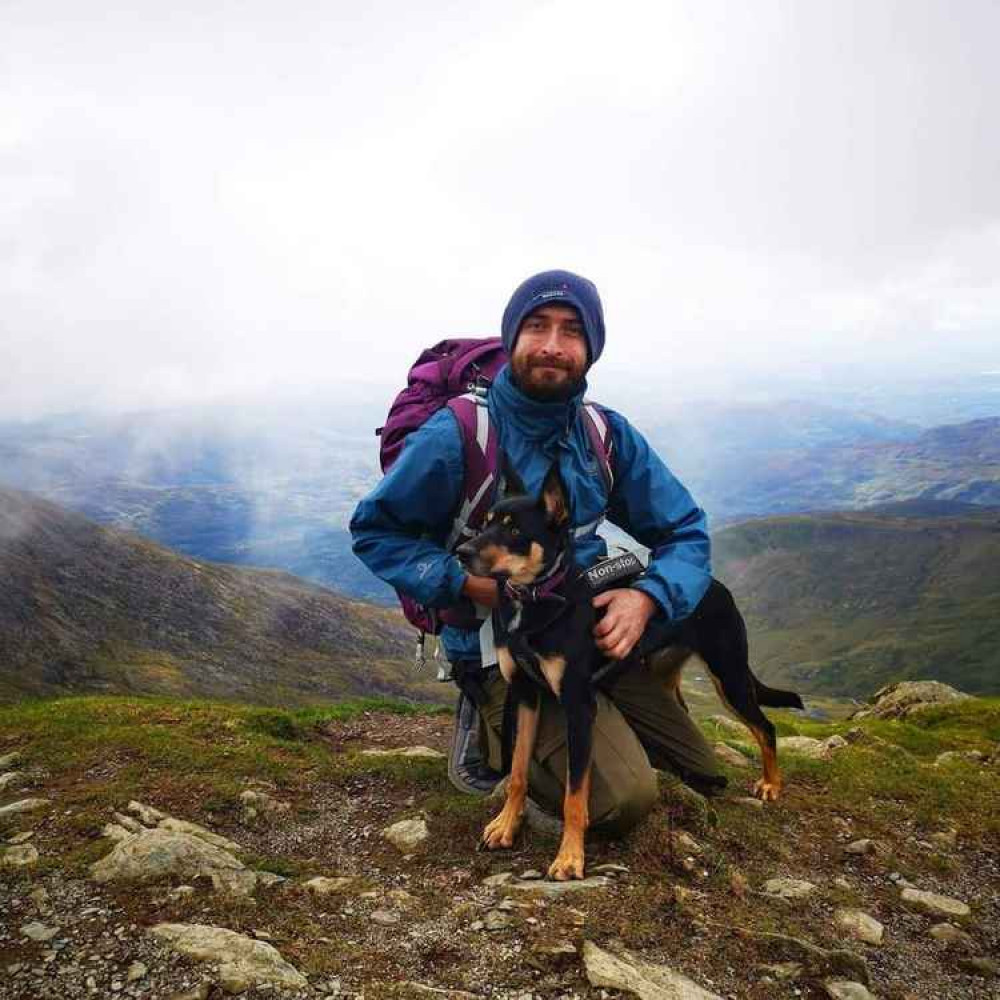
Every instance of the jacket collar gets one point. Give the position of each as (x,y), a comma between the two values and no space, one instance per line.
(534,420)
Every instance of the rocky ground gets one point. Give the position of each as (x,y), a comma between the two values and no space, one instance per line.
(165,850)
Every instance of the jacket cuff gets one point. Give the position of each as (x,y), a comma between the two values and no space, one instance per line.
(658,593)
(455,576)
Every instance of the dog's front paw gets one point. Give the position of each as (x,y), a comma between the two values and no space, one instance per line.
(568,864)
(501,831)
(767,791)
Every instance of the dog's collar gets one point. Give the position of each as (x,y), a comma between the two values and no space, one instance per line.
(544,588)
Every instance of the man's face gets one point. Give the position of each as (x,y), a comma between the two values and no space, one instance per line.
(550,353)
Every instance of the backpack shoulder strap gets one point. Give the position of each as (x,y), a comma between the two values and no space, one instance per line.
(601,442)
(479,446)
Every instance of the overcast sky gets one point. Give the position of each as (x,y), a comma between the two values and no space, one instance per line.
(206,199)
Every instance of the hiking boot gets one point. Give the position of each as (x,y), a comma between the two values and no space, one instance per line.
(467,767)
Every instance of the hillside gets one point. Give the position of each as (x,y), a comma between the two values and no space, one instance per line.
(843,603)
(90,608)
(169,849)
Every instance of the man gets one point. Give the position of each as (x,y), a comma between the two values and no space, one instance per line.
(553,331)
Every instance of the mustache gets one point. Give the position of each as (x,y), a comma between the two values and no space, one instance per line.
(549,363)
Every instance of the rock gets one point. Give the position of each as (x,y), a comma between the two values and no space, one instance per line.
(835,742)
(10,779)
(845,989)
(258,802)
(730,725)
(385,917)
(897,701)
(156,854)
(407,835)
(530,875)
(200,992)
(9,760)
(945,840)
(863,846)
(183,826)
(331,886)
(959,757)
(553,890)
(497,920)
(419,990)
(730,756)
(783,971)
(647,980)
(804,746)
(684,843)
(18,857)
(838,962)
(501,878)
(787,888)
(21,838)
(859,925)
(420,753)
(952,937)
(115,832)
(147,814)
(610,868)
(268,880)
(38,931)
(981,966)
(136,971)
(842,883)
(934,904)
(23,806)
(241,958)
(749,801)
(130,824)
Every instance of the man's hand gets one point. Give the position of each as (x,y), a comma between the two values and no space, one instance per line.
(481,590)
(628,611)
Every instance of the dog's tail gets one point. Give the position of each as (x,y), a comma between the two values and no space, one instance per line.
(774,697)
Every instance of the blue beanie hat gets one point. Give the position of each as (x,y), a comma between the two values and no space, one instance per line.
(556,288)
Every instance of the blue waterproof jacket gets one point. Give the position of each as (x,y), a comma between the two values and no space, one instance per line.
(400,529)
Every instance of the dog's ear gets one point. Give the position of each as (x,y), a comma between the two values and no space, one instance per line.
(513,485)
(554,497)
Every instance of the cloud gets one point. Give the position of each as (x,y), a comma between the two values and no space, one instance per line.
(247,198)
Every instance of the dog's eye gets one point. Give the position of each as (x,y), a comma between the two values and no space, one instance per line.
(515,532)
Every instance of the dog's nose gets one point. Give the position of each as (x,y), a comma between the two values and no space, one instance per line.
(466,550)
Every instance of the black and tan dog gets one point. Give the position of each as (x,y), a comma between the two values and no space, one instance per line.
(544,635)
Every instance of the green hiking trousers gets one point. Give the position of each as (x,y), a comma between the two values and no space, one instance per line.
(641,726)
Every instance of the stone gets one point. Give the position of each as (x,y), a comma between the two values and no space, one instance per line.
(183,826)
(268,880)
(9,760)
(863,846)
(323,886)
(115,832)
(240,958)
(501,878)
(385,917)
(934,904)
(959,757)
(845,989)
(147,814)
(136,971)
(554,890)
(952,937)
(497,920)
(610,868)
(897,701)
(684,843)
(258,802)
(729,725)
(419,990)
(859,925)
(981,966)
(10,779)
(18,857)
(130,824)
(407,835)
(156,854)
(787,888)
(21,838)
(839,963)
(783,971)
(647,980)
(23,806)
(835,742)
(418,752)
(945,839)
(732,757)
(804,746)
(748,801)
(37,931)
(530,874)
(200,992)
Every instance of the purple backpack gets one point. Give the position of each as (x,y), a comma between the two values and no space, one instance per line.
(457,374)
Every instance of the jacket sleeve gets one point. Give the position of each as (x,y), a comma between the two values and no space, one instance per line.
(651,504)
(400,529)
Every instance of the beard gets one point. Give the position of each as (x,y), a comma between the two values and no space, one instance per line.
(538,381)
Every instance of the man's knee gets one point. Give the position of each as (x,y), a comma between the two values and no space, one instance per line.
(623,802)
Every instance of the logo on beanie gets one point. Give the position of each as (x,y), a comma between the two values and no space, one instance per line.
(558,293)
